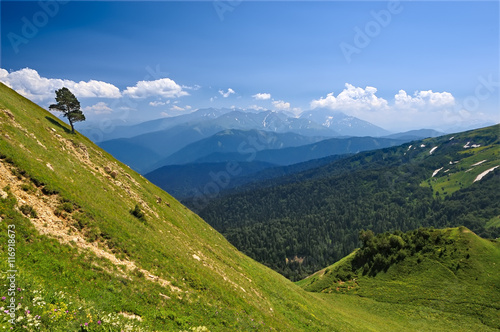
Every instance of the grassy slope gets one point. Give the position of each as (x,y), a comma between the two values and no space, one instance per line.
(429,280)
(467,163)
(211,283)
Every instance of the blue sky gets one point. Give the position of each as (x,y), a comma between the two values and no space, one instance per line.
(400,65)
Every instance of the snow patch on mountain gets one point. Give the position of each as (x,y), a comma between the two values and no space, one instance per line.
(483,174)
(436,171)
(479,163)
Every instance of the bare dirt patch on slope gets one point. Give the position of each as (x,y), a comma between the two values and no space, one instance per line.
(49,224)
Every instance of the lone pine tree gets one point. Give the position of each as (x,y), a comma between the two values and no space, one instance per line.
(69,105)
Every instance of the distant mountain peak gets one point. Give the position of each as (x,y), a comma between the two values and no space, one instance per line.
(342,123)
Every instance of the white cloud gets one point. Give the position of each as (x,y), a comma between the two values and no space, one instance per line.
(227,93)
(3,73)
(281,105)
(424,99)
(30,84)
(177,108)
(164,87)
(195,87)
(159,103)
(423,109)
(352,99)
(262,96)
(95,89)
(99,108)
(256,107)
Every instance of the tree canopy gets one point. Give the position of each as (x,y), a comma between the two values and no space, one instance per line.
(69,105)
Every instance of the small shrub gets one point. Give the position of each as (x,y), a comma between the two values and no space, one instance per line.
(37,182)
(18,173)
(92,233)
(166,315)
(137,212)
(138,273)
(67,206)
(25,187)
(49,191)
(60,213)
(28,210)
(105,236)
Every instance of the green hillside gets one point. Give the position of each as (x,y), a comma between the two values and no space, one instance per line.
(99,248)
(451,269)
(82,250)
(303,222)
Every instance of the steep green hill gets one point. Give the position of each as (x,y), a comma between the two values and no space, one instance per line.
(96,247)
(300,223)
(452,269)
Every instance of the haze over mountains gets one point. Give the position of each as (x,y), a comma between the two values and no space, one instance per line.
(343,124)
(207,160)
(203,135)
(181,154)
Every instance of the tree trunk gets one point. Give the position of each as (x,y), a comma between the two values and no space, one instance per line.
(72,127)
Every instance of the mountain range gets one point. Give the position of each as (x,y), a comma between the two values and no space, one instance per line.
(127,131)
(294,155)
(343,124)
(236,141)
(193,167)
(153,144)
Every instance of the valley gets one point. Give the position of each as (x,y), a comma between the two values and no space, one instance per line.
(241,166)
(316,214)
(87,260)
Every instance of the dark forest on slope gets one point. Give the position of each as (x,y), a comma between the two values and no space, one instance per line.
(310,220)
